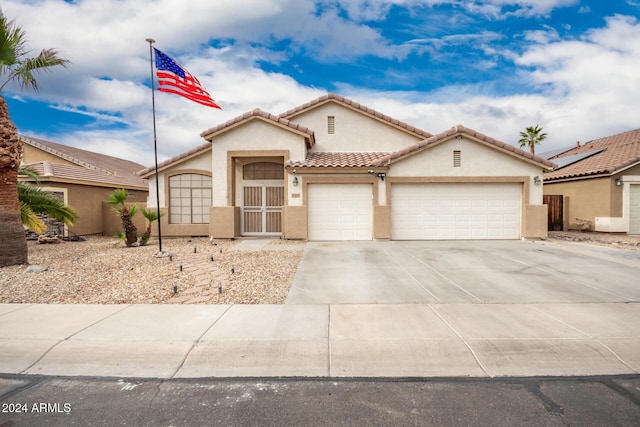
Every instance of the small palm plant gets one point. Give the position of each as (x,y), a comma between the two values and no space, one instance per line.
(117,199)
(151,216)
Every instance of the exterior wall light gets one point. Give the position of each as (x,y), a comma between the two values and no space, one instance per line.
(618,182)
(537,180)
(295,181)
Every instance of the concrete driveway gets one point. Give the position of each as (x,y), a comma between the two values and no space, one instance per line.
(508,271)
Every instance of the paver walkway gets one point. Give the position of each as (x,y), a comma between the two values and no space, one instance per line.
(208,275)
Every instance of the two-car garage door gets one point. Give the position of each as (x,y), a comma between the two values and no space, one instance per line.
(433,211)
(455,211)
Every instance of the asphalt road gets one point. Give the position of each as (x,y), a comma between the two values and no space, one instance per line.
(65,401)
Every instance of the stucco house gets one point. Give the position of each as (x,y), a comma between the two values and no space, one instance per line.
(333,169)
(596,185)
(83,179)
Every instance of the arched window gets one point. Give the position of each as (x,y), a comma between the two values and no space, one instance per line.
(263,170)
(189,198)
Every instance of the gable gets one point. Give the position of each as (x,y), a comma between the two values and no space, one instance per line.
(258,135)
(353,130)
(475,159)
(35,155)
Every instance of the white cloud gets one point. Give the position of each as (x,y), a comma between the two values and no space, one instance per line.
(588,87)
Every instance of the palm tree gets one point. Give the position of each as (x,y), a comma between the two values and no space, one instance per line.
(15,65)
(118,199)
(35,201)
(151,216)
(530,137)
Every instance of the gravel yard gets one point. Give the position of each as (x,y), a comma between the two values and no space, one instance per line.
(101,270)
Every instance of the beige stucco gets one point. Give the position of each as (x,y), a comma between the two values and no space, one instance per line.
(33,155)
(198,164)
(256,138)
(354,131)
(260,139)
(597,202)
(88,201)
(477,159)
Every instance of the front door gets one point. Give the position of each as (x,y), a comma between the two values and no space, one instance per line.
(262,209)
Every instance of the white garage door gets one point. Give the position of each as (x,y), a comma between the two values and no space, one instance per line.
(455,211)
(340,211)
(634,204)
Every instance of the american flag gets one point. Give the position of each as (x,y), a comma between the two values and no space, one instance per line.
(172,78)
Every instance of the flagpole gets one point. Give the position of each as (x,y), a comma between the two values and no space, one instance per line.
(155,141)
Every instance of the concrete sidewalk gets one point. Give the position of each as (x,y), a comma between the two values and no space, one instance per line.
(336,340)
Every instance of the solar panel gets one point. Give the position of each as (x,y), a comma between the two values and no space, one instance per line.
(569,160)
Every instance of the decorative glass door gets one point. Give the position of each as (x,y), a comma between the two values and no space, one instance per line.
(262,209)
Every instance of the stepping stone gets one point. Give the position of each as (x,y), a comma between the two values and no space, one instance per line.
(37,268)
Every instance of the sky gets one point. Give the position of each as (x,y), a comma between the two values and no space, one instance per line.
(495,66)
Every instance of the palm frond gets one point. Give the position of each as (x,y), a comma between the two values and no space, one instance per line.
(117,197)
(150,215)
(30,220)
(29,172)
(42,202)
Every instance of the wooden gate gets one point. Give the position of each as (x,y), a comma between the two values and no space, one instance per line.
(555,211)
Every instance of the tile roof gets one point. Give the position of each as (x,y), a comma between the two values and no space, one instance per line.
(187,154)
(352,104)
(617,152)
(458,130)
(258,113)
(58,171)
(104,168)
(338,160)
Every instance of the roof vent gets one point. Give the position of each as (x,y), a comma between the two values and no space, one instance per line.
(47,169)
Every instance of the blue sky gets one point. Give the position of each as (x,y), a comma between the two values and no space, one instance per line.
(496,66)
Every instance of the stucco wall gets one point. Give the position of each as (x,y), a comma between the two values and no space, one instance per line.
(257,139)
(88,201)
(33,155)
(354,131)
(585,199)
(599,201)
(202,162)
(477,160)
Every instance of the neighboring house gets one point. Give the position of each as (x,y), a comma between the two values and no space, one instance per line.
(333,169)
(597,185)
(83,179)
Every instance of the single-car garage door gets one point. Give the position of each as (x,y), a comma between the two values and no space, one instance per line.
(455,211)
(339,211)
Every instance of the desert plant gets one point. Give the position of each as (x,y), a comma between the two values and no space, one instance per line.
(17,65)
(130,236)
(117,199)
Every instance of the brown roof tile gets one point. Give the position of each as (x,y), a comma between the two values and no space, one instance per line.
(345,101)
(460,129)
(338,160)
(104,168)
(58,171)
(618,152)
(257,113)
